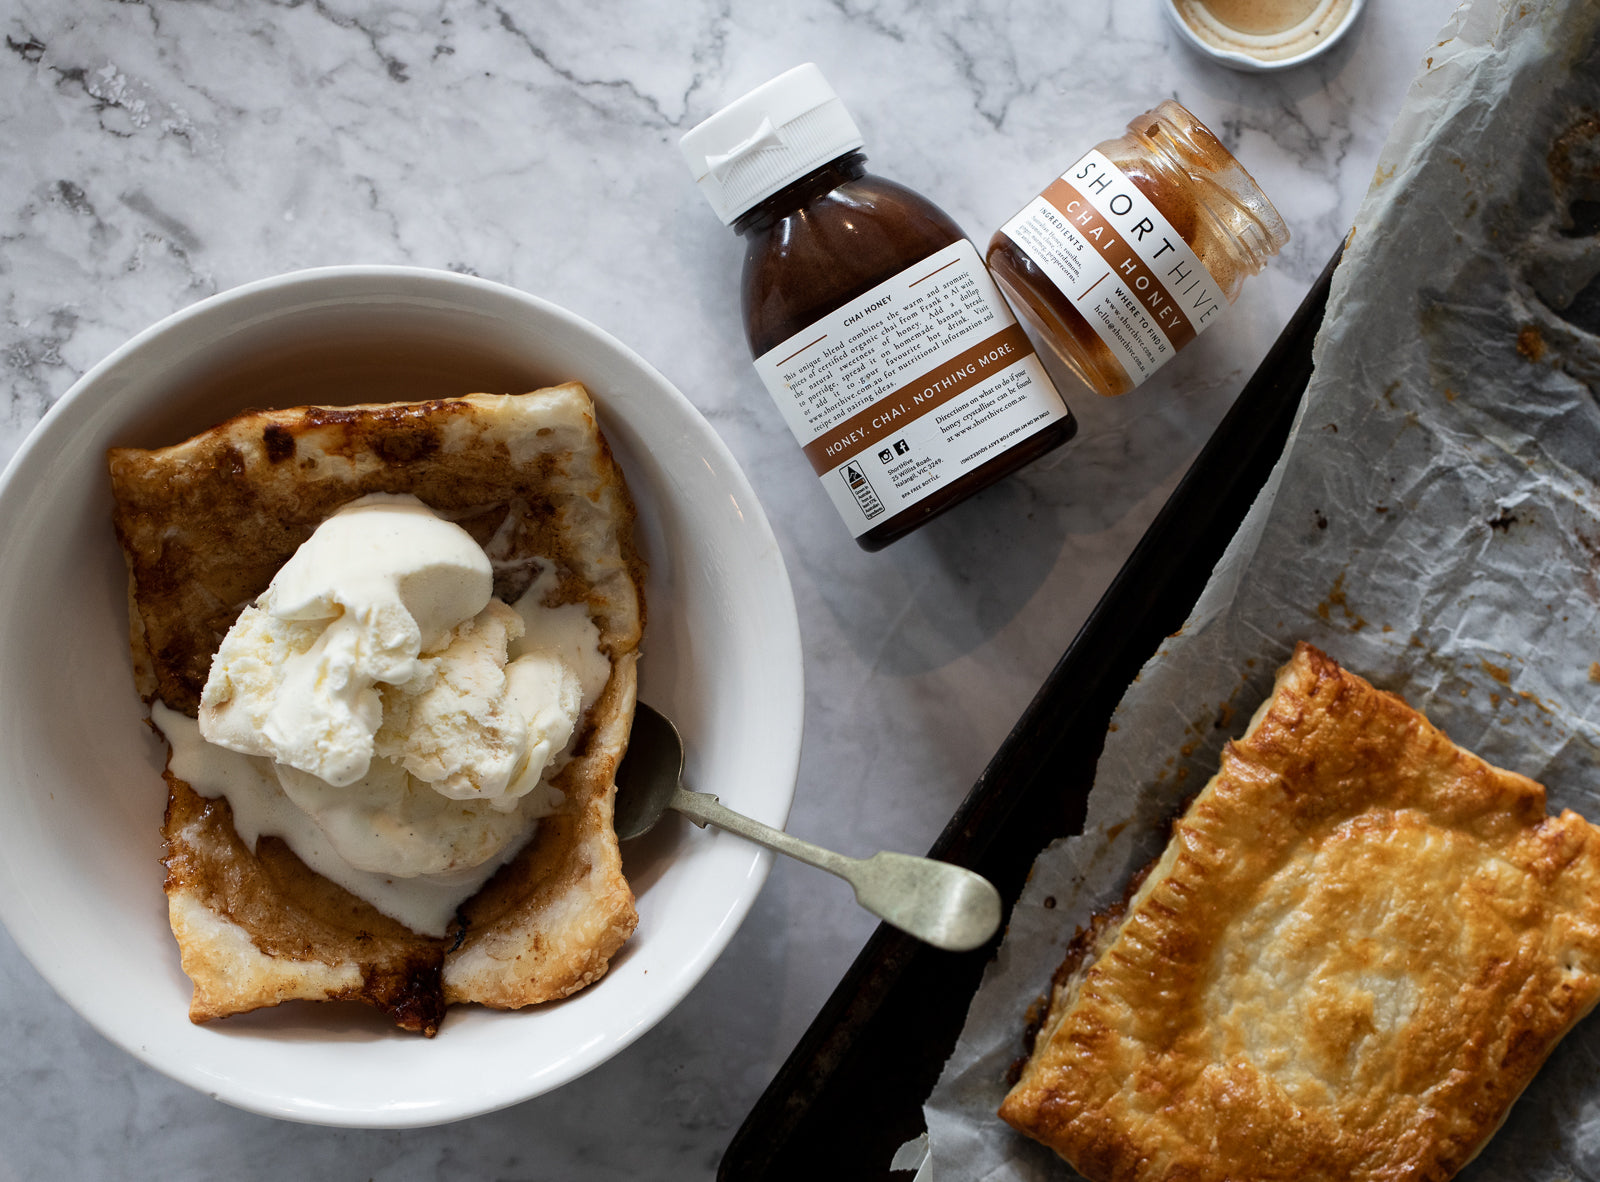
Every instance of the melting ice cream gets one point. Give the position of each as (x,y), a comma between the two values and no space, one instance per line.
(398,726)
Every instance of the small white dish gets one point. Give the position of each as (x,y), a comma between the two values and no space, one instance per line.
(1241,59)
(81,794)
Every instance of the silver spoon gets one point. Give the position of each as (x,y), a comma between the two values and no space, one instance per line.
(945,905)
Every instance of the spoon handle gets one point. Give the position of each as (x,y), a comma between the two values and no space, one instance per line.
(947,906)
(705,809)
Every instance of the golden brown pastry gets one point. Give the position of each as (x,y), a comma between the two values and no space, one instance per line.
(206,524)
(1355,952)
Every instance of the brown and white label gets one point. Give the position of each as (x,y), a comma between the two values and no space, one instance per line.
(1119,262)
(910,386)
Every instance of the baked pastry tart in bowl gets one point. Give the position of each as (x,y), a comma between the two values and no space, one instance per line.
(181,478)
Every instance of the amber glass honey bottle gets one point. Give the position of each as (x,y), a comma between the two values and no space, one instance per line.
(874,324)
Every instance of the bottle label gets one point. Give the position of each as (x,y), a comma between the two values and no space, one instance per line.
(1119,262)
(910,386)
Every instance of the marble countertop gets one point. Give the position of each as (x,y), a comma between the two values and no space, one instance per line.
(160,151)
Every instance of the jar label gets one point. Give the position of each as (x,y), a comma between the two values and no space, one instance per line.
(1120,263)
(910,386)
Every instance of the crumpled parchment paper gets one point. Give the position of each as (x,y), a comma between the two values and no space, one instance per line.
(1434,525)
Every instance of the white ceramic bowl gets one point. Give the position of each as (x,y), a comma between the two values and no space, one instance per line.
(81,794)
(1244,62)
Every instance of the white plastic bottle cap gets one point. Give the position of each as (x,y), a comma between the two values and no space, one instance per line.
(769,138)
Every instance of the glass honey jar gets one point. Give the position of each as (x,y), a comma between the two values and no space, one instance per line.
(1136,248)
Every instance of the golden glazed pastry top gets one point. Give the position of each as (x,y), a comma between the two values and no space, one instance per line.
(206,523)
(1356,951)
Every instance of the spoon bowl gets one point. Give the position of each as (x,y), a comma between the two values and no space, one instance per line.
(649,772)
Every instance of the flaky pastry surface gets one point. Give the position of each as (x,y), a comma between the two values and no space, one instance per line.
(1354,954)
(205,525)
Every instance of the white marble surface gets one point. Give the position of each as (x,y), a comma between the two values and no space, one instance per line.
(157,152)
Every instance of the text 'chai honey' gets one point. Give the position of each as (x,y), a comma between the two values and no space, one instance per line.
(1136,248)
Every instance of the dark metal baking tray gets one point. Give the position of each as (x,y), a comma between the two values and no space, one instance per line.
(851,1092)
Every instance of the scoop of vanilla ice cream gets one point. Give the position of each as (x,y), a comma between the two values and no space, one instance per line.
(389,558)
(475,726)
(400,705)
(564,632)
(550,694)
(296,677)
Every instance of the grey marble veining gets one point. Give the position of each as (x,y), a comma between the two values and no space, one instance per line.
(158,152)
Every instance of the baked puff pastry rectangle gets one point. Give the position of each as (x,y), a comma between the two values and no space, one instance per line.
(1357,949)
(205,524)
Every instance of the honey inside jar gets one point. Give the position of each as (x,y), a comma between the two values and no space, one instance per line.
(1136,248)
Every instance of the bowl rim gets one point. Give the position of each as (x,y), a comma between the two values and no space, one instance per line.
(781,747)
(1244,62)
